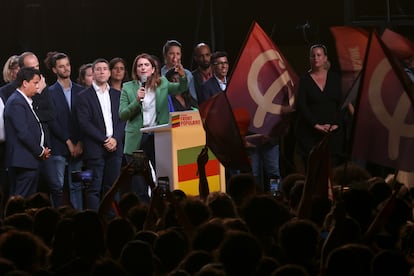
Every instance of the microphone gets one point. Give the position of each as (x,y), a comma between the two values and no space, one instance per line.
(143,80)
(143,83)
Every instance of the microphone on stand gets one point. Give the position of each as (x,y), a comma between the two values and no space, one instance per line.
(143,83)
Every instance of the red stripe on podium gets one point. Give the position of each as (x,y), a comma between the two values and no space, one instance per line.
(189,171)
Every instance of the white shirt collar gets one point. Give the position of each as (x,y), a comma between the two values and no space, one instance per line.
(98,89)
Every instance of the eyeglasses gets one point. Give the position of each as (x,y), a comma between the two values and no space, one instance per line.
(221,63)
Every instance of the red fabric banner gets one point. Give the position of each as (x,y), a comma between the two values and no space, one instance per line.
(399,45)
(351,44)
(222,133)
(263,83)
(384,121)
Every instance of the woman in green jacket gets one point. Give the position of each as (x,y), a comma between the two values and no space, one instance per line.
(144,103)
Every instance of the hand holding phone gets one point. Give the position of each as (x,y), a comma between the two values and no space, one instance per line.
(274,187)
(138,159)
(163,184)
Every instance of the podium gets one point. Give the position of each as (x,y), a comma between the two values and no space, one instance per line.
(177,146)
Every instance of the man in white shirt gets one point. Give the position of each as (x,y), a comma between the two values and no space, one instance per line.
(103,133)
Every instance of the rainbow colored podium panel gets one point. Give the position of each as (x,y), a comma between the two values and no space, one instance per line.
(177,145)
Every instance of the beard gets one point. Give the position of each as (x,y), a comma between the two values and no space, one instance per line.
(205,66)
(64,75)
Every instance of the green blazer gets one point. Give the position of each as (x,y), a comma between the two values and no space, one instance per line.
(130,109)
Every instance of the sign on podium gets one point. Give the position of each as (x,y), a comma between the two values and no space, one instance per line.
(177,145)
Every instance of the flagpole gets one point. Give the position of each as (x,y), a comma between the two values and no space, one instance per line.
(212,31)
(347,130)
(197,31)
(388,12)
(349,96)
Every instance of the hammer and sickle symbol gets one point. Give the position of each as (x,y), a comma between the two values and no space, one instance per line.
(265,100)
(393,122)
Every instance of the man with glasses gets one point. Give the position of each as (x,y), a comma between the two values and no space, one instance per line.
(218,82)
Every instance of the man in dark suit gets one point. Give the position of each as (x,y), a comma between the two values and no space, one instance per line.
(218,82)
(204,70)
(25,137)
(103,131)
(65,137)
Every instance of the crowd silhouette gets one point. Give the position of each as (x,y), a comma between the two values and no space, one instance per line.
(365,230)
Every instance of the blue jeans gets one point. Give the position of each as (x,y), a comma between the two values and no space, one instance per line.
(105,171)
(265,164)
(75,187)
(54,170)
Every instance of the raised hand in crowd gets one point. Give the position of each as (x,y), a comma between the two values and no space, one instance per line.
(202,160)
(161,202)
(123,180)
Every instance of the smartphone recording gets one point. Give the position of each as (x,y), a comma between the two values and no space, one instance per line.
(163,184)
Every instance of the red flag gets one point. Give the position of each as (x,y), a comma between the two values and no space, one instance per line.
(400,46)
(222,132)
(384,121)
(351,44)
(318,178)
(319,174)
(262,82)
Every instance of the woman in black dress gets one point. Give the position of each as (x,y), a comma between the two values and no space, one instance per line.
(318,106)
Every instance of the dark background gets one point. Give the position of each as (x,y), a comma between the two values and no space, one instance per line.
(89,29)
